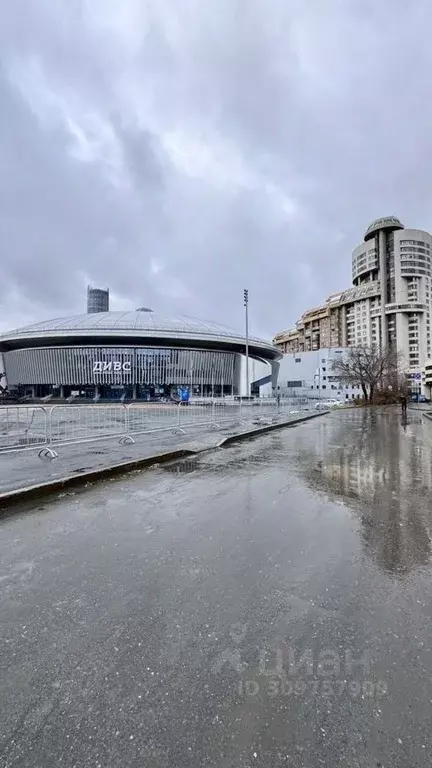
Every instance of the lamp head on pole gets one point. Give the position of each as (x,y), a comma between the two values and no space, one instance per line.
(246,296)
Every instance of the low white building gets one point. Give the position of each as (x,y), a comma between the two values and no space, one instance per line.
(427,379)
(310,375)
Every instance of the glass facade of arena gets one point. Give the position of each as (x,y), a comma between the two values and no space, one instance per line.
(137,372)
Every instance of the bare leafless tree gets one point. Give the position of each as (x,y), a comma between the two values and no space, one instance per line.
(371,369)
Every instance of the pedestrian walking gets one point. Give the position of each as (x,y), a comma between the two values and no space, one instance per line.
(404,405)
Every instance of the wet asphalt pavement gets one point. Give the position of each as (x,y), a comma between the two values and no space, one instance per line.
(266,605)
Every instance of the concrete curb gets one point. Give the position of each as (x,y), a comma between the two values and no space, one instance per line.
(69,481)
(427,416)
(270,428)
(20,495)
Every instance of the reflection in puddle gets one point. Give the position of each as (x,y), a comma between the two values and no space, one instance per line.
(383,471)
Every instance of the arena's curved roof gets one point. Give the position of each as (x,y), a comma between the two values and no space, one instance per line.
(134,325)
(387,222)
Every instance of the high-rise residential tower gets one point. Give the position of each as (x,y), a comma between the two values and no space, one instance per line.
(389,304)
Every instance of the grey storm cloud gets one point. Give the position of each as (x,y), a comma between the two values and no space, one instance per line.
(180,150)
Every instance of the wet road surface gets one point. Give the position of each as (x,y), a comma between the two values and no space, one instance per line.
(265,605)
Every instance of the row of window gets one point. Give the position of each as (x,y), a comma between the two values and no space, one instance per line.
(415,269)
(364,267)
(415,242)
(420,252)
(364,259)
(416,261)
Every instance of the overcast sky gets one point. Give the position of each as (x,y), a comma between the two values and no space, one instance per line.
(178,151)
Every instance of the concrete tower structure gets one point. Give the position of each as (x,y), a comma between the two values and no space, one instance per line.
(388,305)
(97,300)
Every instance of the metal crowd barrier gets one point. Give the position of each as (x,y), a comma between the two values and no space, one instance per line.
(25,427)
(71,423)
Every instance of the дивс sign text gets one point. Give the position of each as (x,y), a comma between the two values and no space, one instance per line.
(116,366)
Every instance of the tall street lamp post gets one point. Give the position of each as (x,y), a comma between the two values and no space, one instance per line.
(246,303)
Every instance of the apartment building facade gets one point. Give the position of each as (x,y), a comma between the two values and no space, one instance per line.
(388,305)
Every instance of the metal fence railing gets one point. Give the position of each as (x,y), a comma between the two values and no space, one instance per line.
(46,427)
(23,426)
(72,423)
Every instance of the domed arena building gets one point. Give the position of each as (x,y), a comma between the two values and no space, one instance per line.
(141,354)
